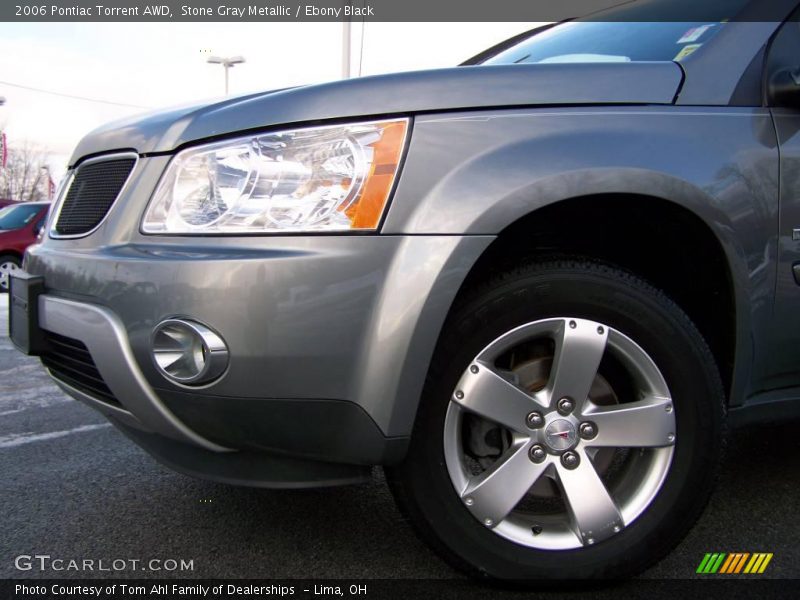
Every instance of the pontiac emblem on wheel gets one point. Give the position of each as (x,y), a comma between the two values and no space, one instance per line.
(560,434)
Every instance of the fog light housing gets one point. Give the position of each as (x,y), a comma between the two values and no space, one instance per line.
(188,353)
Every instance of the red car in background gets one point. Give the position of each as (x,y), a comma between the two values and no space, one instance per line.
(20,224)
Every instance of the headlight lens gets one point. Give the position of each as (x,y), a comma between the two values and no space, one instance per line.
(334,178)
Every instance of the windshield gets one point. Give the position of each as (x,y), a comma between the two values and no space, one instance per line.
(635,30)
(17,217)
(585,41)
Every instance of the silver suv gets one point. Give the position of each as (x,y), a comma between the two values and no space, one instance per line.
(530,287)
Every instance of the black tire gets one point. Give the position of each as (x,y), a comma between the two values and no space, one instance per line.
(587,289)
(7,259)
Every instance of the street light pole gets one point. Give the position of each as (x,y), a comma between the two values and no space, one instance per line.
(227,62)
(346,30)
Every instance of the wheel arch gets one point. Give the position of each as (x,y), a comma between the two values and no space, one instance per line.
(12,252)
(519,211)
(661,240)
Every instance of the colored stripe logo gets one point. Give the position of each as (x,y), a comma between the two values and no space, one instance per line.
(734,563)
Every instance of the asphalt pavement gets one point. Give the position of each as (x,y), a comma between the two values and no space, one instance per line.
(73,488)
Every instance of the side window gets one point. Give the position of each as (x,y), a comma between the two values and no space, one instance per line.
(783,65)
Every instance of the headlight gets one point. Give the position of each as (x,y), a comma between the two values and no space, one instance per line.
(334,178)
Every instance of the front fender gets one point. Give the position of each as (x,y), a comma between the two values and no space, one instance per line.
(478,173)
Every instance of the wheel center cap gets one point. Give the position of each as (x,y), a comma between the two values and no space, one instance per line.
(560,435)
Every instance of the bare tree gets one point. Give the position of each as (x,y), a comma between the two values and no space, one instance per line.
(25,177)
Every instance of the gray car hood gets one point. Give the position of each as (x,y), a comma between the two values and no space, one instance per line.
(401,93)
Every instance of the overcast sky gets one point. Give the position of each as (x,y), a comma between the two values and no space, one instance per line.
(150,65)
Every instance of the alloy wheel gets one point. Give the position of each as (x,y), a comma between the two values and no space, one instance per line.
(6,268)
(559,434)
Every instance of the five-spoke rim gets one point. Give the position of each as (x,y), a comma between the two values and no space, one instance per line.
(558,432)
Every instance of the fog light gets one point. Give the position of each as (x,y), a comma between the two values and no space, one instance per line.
(188,352)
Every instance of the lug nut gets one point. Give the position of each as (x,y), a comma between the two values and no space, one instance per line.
(565,406)
(537,454)
(587,430)
(570,460)
(473,369)
(460,395)
(534,420)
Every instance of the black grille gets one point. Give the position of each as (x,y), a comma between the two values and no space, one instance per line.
(91,194)
(69,361)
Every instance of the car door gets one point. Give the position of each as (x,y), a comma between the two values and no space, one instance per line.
(783,95)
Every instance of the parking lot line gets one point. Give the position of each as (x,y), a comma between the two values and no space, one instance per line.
(18,439)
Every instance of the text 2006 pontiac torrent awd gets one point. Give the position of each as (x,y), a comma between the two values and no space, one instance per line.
(534,287)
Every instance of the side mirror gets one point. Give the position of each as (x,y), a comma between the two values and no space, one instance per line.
(784,88)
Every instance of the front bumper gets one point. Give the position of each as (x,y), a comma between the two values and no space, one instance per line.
(330,340)
(139,413)
(104,336)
